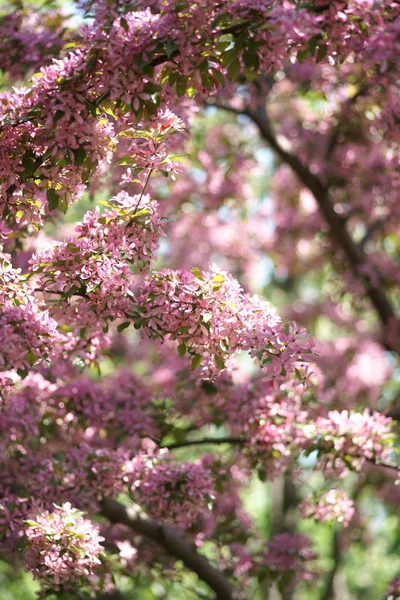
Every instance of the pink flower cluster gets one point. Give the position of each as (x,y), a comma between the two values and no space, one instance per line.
(335,505)
(66,145)
(88,474)
(27,333)
(345,440)
(28,38)
(91,273)
(178,492)
(84,289)
(13,512)
(117,407)
(275,432)
(212,319)
(63,547)
(146,148)
(130,229)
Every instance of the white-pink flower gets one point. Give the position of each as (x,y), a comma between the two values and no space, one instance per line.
(334,505)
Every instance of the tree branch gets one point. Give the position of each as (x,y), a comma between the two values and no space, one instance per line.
(174,543)
(337,226)
(384,465)
(328,593)
(372,230)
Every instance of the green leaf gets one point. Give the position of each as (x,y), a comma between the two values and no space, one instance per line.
(170,48)
(31,523)
(234,70)
(182,349)
(63,204)
(181,86)
(127,159)
(151,88)
(207,317)
(29,163)
(217,281)
(248,56)
(207,81)
(124,23)
(140,213)
(197,273)
(32,358)
(322,52)
(57,116)
(173,77)
(196,361)
(219,361)
(229,56)
(123,326)
(250,74)
(262,474)
(303,54)
(164,75)
(79,156)
(209,388)
(52,198)
(223,45)
(70,45)
(47,154)
(91,108)
(218,76)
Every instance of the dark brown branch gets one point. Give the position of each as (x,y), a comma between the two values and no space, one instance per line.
(328,593)
(174,543)
(372,230)
(337,226)
(227,107)
(394,412)
(384,465)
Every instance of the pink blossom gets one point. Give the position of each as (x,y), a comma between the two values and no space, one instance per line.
(177,492)
(212,319)
(334,505)
(346,440)
(63,547)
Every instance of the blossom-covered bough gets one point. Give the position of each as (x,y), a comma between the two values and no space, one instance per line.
(121,343)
